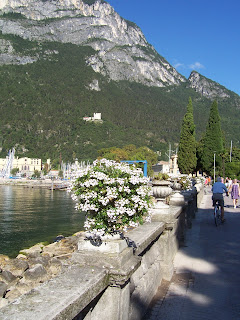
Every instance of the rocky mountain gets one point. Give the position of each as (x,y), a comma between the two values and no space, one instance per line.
(206,87)
(121,50)
(63,60)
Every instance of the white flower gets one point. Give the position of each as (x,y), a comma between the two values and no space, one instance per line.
(74,197)
(126,189)
(112,193)
(117,189)
(130,212)
(90,182)
(133,224)
(120,181)
(103,201)
(121,202)
(98,175)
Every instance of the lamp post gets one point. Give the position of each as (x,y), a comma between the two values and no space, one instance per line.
(214,169)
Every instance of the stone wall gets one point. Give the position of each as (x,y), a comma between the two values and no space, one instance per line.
(118,279)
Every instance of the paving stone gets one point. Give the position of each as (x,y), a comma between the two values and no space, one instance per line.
(205,284)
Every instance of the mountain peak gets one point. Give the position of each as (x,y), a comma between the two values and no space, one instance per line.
(42,9)
(206,87)
(121,50)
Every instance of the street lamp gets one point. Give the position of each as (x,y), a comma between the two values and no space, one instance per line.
(214,169)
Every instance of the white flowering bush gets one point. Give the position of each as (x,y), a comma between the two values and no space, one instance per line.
(114,196)
(186,183)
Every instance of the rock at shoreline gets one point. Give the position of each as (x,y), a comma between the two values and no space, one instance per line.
(33,251)
(3,302)
(34,266)
(43,260)
(3,288)
(7,277)
(16,266)
(3,260)
(36,274)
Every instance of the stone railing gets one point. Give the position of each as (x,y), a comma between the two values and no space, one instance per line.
(118,279)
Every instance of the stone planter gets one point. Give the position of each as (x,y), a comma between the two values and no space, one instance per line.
(177,199)
(161,189)
(176,186)
(105,244)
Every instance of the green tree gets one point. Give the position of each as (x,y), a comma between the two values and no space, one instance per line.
(45,168)
(36,174)
(212,142)
(60,174)
(130,152)
(187,159)
(232,170)
(116,154)
(14,171)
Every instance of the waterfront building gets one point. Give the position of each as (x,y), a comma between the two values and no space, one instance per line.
(25,165)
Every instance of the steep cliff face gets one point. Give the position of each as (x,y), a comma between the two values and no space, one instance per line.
(121,50)
(206,87)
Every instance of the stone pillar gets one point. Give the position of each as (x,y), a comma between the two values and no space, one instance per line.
(117,258)
(172,234)
(113,304)
(200,192)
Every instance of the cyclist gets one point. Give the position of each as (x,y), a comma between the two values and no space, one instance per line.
(218,189)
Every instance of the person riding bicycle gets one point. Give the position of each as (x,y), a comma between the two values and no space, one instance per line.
(218,189)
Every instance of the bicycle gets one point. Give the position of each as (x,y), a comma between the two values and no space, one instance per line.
(217,214)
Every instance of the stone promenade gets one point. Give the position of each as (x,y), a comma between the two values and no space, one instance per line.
(206,282)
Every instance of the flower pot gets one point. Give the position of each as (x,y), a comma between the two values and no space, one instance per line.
(161,189)
(176,186)
(105,244)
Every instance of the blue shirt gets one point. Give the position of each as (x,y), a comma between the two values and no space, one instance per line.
(219,187)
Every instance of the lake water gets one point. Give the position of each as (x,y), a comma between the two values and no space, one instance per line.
(32,215)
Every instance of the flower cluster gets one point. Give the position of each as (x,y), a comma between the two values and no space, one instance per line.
(114,196)
(186,182)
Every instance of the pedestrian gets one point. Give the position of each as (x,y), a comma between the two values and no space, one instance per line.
(227,182)
(235,192)
(206,181)
(209,180)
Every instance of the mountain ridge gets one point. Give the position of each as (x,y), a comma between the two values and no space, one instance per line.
(122,52)
(48,85)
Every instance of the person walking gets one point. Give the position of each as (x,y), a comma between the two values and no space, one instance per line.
(235,192)
(209,180)
(218,189)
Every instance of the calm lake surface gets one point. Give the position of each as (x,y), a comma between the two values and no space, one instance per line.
(29,216)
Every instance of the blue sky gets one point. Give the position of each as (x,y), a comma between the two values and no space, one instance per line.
(191,34)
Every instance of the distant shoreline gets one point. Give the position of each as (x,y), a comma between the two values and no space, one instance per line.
(28,183)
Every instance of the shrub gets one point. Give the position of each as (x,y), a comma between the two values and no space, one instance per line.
(114,196)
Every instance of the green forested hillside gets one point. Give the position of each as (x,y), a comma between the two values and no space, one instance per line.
(42,105)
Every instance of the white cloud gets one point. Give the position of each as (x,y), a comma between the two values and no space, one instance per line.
(196,65)
(179,65)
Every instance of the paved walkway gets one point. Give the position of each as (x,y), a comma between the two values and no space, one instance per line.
(206,282)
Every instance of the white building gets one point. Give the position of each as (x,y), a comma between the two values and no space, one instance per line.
(25,165)
(96,117)
(169,167)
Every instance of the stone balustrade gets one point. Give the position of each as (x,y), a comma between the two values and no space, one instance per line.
(118,279)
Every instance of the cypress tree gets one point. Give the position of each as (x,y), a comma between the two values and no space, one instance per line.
(187,160)
(212,141)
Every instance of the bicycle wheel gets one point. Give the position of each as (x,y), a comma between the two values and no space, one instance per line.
(217,215)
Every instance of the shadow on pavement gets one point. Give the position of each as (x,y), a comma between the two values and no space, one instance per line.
(206,281)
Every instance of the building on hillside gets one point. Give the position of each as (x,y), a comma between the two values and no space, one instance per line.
(96,117)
